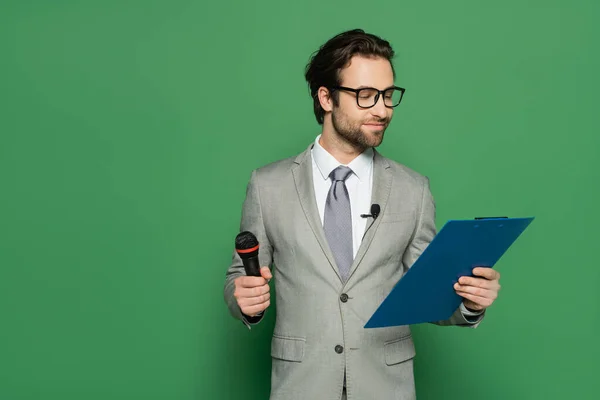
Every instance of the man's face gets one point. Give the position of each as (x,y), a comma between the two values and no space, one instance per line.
(363,127)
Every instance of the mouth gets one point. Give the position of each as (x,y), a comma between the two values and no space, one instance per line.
(375,125)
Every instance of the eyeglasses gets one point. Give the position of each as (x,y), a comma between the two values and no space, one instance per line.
(368,97)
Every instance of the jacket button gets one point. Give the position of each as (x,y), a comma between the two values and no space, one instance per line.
(344,297)
(339,349)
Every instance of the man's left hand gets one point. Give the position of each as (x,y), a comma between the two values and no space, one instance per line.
(479,292)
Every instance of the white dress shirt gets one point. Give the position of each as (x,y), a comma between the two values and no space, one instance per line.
(359,185)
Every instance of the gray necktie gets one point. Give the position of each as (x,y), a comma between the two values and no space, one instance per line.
(338,220)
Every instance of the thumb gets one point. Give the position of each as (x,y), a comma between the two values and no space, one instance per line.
(266,273)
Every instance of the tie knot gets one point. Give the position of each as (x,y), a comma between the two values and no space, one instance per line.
(341,173)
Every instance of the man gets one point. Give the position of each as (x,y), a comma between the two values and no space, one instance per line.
(332,266)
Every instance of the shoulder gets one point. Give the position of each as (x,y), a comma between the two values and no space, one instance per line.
(404,173)
(276,171)
(276,167)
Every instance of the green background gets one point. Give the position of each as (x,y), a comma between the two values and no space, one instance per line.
(128,131)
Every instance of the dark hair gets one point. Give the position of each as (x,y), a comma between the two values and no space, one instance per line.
(326,63)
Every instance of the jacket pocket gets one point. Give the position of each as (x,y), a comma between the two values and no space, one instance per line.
(399,350)
(287,348)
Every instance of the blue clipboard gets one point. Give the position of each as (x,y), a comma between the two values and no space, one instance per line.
(426,292)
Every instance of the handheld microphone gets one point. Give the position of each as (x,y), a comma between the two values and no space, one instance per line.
(375,209)
(246,245)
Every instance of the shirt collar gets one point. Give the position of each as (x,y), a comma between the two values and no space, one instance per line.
(360,166)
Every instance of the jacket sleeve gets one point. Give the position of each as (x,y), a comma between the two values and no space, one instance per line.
(424,234)
(252,221)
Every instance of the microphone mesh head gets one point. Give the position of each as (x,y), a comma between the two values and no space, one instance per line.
(245,240)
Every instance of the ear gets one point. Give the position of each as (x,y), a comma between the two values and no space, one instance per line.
(325,98)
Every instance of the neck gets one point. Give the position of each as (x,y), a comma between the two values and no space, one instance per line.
(342,150)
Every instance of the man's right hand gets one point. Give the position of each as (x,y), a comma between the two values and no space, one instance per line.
(252,292)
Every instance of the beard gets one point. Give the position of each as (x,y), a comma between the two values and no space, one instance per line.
(351,131)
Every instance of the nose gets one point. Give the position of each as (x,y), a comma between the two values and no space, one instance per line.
(379,109)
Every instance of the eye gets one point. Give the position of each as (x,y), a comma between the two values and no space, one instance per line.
(366,93)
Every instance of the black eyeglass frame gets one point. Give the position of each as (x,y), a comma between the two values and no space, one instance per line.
(377,96)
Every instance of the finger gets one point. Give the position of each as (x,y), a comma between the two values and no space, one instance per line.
(479,301)
(244,292)
(266,273)
(478,282)
(252,281)
(487,273)
(252,301)
(253,310)
(484,293)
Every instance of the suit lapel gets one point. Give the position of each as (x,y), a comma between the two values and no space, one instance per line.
(302,172)
(303,178)
(382,183)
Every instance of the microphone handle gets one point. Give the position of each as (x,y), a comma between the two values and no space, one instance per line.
(252,266)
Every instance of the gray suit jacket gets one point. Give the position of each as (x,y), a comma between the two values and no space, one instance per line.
(319,320)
